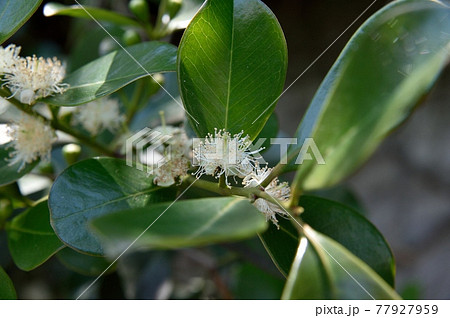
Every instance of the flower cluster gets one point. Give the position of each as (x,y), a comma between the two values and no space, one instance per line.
(223,154)
(280,191)
(32,138)
(30,78)
(8,57)
(98,115)
(176,151)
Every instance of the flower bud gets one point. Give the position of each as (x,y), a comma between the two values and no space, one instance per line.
(131,37)
(71,152)
(140,9)
(173,6)
(156,82)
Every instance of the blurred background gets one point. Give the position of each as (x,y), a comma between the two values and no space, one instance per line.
(404,189)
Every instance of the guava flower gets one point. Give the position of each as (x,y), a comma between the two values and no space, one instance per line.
(176,150)
(8,57)
(32,78)
(32,138)
(277,190)
(167,174)
(98,115)
(223,154)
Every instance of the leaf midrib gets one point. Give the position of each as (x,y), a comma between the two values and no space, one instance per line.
(214,220)
(107,203)
(230,71)
(29,231)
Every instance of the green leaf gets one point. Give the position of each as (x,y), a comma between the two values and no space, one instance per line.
(113,71)
(7,291)
(324,269)
(76,11)
(96,187)
(342,194)
(9,173)
(181,224)
(14,14)
(383,73)
(352,230)
(254,283)
(31,239)
(339,222)
(281,244)
(231,66)
(84,264)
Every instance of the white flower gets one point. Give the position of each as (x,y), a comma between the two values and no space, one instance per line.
(8,57)
(177,151)
(275,189)
(169,172)
(32,138)
(222,154)
(31,78)
(98,115)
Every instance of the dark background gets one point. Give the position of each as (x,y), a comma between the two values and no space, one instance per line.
(405,187)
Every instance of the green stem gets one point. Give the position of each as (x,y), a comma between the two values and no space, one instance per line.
(123,98)
(251,193)
(222,181)
(279,168)
(84,139)
(57,125)
(135,102)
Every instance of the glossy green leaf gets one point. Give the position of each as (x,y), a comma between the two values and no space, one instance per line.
(14,13)
(76,11)
(7,291)
(339,222)
(342,194)
(113,71)
(84,264)
(281,244)
(231,66)
(96,187)
(31,239)
(324,269)
(351,229)
(383,73)
(10,173)
(183,223)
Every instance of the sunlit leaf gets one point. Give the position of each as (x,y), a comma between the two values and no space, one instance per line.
(324,269)
(383,73)
(113,71)
(231,66)
(342,224)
